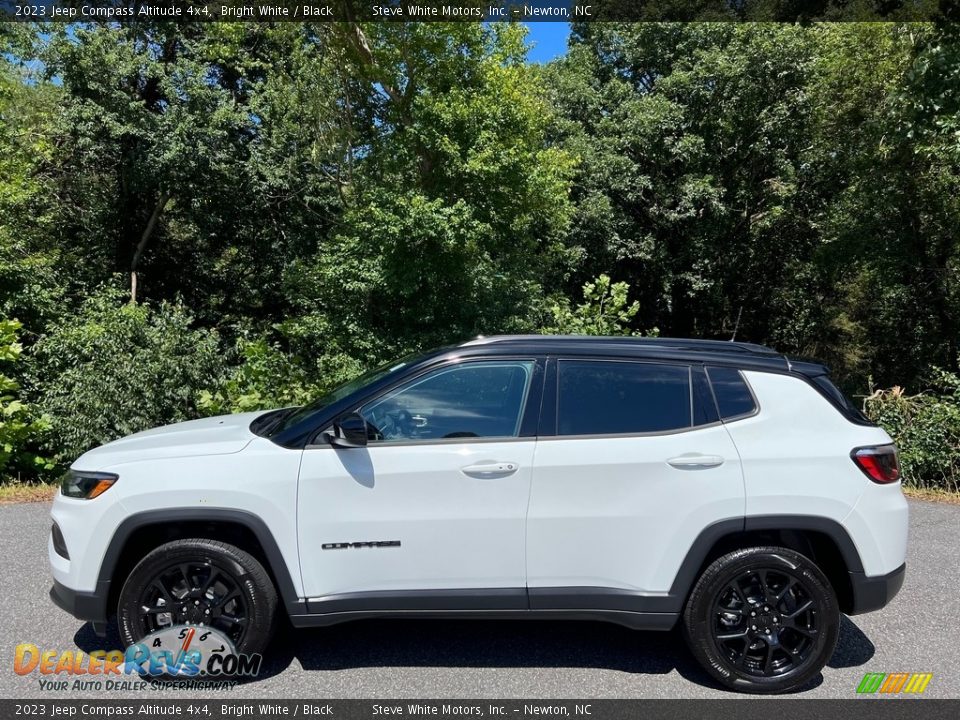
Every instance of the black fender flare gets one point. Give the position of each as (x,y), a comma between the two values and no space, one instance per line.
(831,528)
(690,567)
(131,524)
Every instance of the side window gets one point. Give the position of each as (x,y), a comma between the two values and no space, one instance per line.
(825,384)
(598,397)
(470,400)
(732,392)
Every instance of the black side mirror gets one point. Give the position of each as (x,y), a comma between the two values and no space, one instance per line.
(350,431)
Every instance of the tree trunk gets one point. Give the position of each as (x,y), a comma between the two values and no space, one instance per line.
(144,239)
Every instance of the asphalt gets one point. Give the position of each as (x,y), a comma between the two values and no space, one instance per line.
(917,632)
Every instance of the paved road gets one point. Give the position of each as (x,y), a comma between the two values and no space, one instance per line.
(918,632)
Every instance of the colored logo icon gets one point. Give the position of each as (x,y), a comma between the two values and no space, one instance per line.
(894,683)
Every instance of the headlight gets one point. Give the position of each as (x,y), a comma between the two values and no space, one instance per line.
(86,485)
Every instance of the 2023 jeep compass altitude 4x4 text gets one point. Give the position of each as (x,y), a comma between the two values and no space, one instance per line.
(642,481)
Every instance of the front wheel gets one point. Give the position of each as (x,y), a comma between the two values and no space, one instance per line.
(203,583)
(762,620)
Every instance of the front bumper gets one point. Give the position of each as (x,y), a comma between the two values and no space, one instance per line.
(873,593)
(88,606)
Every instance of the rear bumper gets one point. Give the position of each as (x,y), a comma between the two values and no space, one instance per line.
(88,606)
(873,593)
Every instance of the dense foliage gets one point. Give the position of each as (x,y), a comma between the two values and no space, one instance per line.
(19,423)
(272,208)
(926,428)
(605,310)
(114,368)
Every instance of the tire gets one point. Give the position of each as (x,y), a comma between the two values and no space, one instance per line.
(218,577)
(801,615)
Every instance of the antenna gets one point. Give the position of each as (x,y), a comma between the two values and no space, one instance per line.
(737,325)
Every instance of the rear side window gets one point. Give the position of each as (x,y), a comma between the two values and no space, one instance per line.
(733,395)
(597,397)
(839,399)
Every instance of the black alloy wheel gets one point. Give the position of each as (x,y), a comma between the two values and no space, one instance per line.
(765,622)
(197,592)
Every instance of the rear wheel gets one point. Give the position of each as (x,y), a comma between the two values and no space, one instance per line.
(762,620)
(203,583)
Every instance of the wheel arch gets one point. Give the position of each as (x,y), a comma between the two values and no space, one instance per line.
(826,542)
(138,534)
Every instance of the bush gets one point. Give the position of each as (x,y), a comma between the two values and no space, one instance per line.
(20,427)
(291,367)
(266,378)
(926,428)
(114,368)
(605,310)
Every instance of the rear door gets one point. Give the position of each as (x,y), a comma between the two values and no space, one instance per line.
(633,466)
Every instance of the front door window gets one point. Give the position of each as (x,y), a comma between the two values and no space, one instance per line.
(467,400)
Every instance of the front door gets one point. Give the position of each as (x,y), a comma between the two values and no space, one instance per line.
(433,509)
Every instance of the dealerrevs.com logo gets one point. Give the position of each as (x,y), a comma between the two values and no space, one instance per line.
(894,683)
(174,652)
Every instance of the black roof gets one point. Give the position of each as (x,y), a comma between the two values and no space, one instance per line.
(722,352)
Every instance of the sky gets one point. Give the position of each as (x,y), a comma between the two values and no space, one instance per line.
(549,40)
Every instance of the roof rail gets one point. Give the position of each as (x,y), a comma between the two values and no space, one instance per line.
(674,343)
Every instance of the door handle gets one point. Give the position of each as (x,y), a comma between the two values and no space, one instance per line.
(695,462)
(490,470)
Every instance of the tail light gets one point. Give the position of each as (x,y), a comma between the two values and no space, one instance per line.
(879,463)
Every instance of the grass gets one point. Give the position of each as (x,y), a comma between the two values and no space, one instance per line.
(22,493)
(941,496)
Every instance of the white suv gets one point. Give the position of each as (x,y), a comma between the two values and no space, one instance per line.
(640,481)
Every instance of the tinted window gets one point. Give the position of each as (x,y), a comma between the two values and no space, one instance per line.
(462,401)
(600,397)
(733,395)
(839,399)
(287,419)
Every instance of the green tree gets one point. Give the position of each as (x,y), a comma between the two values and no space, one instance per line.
(691,181)
(801,179)
(30,287)
(184,160)
(881,287)
(456,210)
(322,196)
(114,368)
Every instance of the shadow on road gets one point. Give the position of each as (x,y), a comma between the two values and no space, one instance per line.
(853,647)
(498,644)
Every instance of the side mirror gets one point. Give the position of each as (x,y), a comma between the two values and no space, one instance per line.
(350,431)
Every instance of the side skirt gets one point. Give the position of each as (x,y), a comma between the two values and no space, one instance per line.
(634,610)
(632,620)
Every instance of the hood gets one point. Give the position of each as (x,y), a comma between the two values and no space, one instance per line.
(209,436)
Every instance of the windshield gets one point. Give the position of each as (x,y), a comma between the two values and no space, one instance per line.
(296,415)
